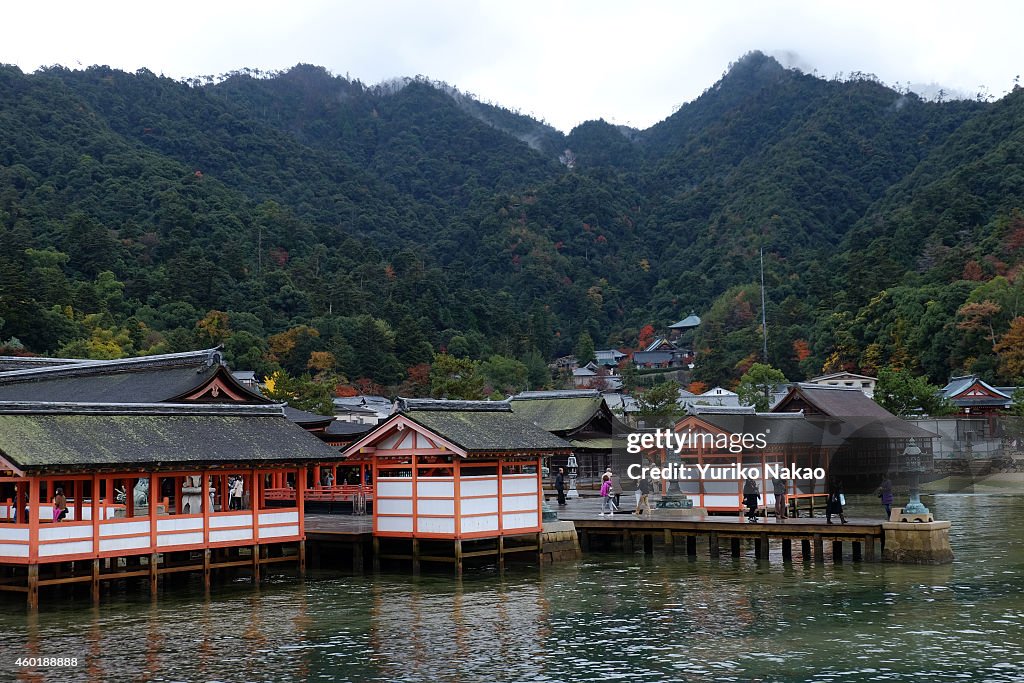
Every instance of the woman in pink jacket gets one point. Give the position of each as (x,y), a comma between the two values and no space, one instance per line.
(606,497)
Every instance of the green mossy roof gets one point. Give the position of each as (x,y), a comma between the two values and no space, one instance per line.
(487,431)
(85,442)
(558,414)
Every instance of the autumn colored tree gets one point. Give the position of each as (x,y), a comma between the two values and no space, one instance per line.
(1010,350)
(213,329)
(645,338)
(978,317)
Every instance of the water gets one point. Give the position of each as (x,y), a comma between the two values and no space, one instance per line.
(607,617)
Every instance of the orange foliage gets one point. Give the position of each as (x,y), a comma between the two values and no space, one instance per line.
(801,349)
(645,337)
(321,360)
(697,387)
(345,391)
(972,271)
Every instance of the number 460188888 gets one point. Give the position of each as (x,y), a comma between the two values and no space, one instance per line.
(46,661)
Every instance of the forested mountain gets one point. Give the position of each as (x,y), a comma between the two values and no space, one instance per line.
(310,222)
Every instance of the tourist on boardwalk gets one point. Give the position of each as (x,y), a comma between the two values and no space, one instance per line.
(834,504)
(560,485)
(644,497)
(60,505)
(616,489)
(885,493)
(751,498)
(237,490)
(606,497)
(779,490)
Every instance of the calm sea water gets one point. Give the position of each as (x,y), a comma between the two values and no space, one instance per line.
(607,617)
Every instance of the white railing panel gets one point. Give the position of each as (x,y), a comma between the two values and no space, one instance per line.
(230,535)
(393,506)
(519,503)
(129,543)
(519,483)
(436,488)
(477,506)
(721,501)
(476,524)
(395,524)
(12,550)
(278,531)
(56,532)
(72,548)
(395,487)
(15,534)
(436,507)
(436,525)
(171,540)
(178,523)
(279,517)
(231,520)
(520,521)
(478,486)
(123,528)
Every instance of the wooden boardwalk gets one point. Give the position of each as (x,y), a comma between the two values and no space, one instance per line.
(671,527)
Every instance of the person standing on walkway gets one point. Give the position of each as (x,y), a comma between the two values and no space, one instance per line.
(884,492)
(560,485)
(834,506)
(751,498)
(643,502)
(617,490)
(779,491)
(60,506)
(606,497)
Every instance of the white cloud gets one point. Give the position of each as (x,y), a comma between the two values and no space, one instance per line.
(566,61)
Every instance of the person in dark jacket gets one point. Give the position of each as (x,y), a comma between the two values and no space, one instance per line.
(560,485)
(834,505)
(751,498)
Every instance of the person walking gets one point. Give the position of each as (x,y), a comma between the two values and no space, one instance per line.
(885,493)
(644,497)
(779,491)
(60,506)
(560,485)
(606,497)
(751,498)
(834,505)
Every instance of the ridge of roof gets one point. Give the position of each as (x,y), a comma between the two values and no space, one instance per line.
(81,408)
(405,405)
(556,393)
(204,358)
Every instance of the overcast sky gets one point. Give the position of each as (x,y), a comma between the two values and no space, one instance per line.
(628,62)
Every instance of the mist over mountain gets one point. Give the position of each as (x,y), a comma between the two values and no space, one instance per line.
(302,213)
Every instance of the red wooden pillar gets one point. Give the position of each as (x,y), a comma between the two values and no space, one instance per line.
(77,494)
(33,519)
(316,476)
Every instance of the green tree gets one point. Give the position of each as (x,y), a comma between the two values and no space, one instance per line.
(901,393)
(660,400)
(756,385)
(584,350)
(504,375)
(455,378)
(299,392)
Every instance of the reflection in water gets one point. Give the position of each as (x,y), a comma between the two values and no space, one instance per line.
(607,617)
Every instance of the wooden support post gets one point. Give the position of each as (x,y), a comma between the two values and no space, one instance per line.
(670,541)
(416,556)
(584,540)
(357,557)
(819,549)
(302,558)
(206,568)
(501,554)
(766,546)
(856,551)
(648,544)
(869,548)
(735,546)
(153,566)
(837,551)
(376,554)
(787,550)
(805,549)
(33,584)
(713,549)
(458,557)
(757,548)
(691,546)
(627,542)
(94,585)
(255,564)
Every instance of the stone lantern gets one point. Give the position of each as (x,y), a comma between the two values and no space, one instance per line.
(573,473)
(914,510)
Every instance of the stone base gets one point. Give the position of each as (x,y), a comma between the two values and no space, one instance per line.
(559,543)
(898,515)
(917,542)
(680,513)
(673,502)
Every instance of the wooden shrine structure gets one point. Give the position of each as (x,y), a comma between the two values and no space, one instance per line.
(150,489)
(449,472)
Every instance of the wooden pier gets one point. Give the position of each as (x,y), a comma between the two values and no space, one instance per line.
(720,535)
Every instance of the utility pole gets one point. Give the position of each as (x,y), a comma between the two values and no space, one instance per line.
(764,323)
